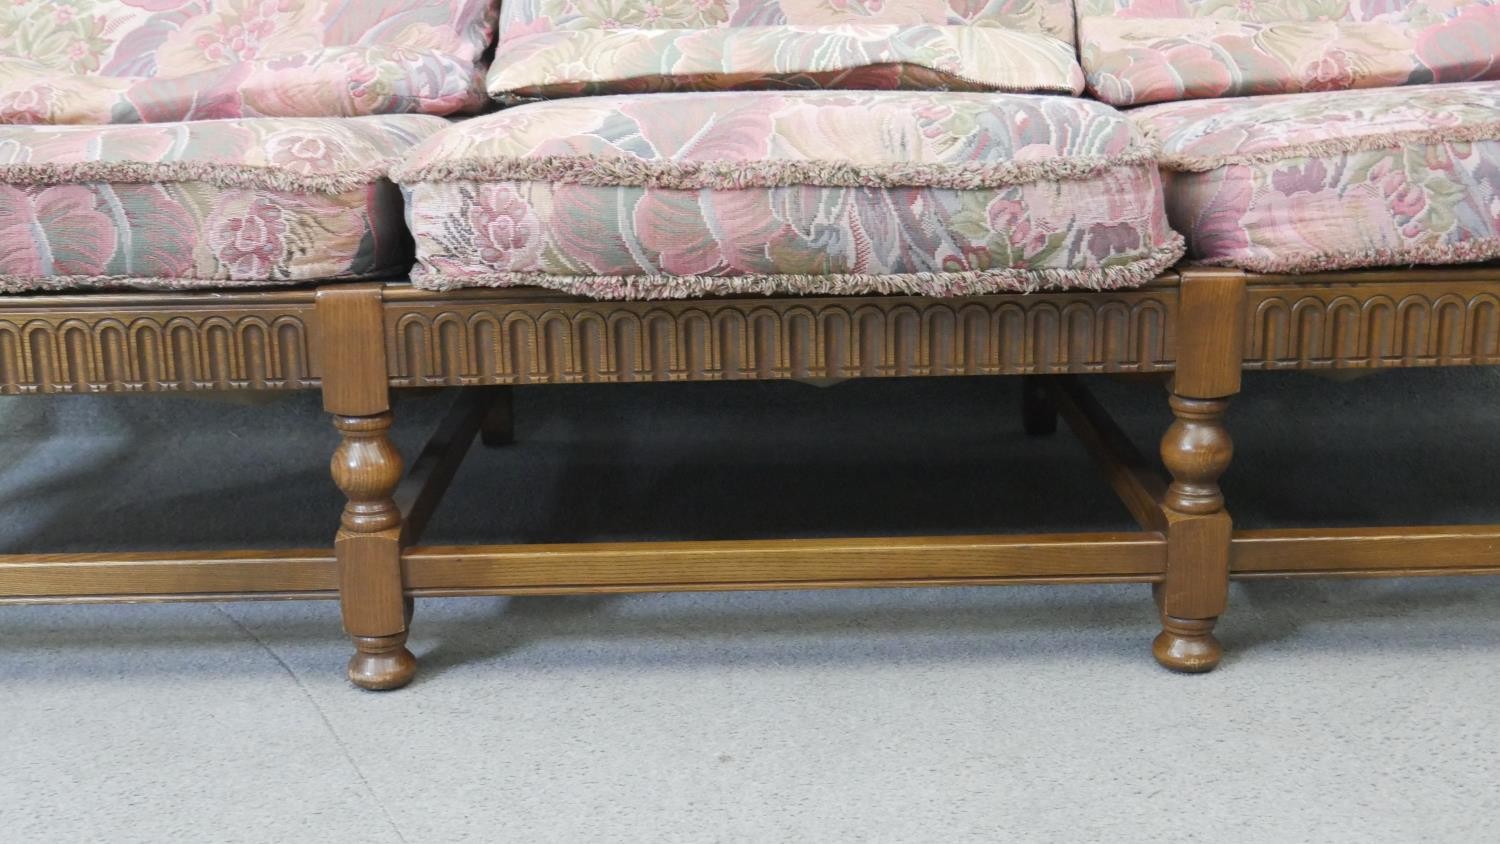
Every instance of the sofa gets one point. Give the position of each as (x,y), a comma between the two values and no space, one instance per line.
(210,195)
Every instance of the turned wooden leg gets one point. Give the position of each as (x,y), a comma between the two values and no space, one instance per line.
(499,425)
(1196,450)
(367,467)
(1038,413)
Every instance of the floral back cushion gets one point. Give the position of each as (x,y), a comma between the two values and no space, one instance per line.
(149,61)
(557,48)
(1145,51)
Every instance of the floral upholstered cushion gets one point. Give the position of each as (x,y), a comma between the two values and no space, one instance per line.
(1298,183)
(1145,51)
(555,48)
(149,61)
(674,195)
(210,204)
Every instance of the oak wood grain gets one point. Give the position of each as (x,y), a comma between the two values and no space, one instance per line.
(143,343)
(195,573)
(1209,338)
(463,338)
(367,467)
(352,349)
(785,562)
(1401,551)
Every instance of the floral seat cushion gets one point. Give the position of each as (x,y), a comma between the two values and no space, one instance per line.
(555,48)
(151,61)
(1298,183)
(227,203)
(1146,51)
(676,195)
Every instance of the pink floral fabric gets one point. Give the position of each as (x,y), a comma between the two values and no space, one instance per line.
(149,61)
(202,205)
(674,195)
(555,48)
(1145,51)
(1293,183)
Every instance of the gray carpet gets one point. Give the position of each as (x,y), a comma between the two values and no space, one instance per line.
(1345,711)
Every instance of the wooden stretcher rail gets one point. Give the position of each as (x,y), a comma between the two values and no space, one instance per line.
(188,575)
(783,563)
(1135,481)
(577,568)
(1366,552)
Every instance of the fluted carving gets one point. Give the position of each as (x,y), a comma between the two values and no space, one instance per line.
(262,341)
(1374,326)
(208,345)
(469,340)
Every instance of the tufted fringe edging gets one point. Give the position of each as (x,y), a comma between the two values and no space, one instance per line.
(1335,146)
(940,284)
(1467,252)
(218,175)
(11,284)
(598,171)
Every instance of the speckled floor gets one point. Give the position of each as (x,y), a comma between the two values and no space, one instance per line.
(1345,711)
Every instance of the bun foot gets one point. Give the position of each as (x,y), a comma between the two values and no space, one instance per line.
(1187,645)
(383,663)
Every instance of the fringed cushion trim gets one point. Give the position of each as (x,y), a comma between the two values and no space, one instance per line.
(1335,146)
(10,284)
(942,284)
(218,175)
(1467,252)
(600,171)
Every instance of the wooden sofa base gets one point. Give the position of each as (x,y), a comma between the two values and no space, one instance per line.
(360,341)
(496,339)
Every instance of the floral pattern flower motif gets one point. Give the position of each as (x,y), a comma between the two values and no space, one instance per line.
(27,105)
(1291,183)
(520,18)
(248,238)
(148,60)
(212,204)
(1146,51)
(557,48)
(57,229)
(505,226)
(306,154)
(686,194)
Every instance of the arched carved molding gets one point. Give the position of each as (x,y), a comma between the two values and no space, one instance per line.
(258,342)
(471,339)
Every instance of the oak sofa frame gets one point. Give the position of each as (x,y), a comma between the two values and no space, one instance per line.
(358,342)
